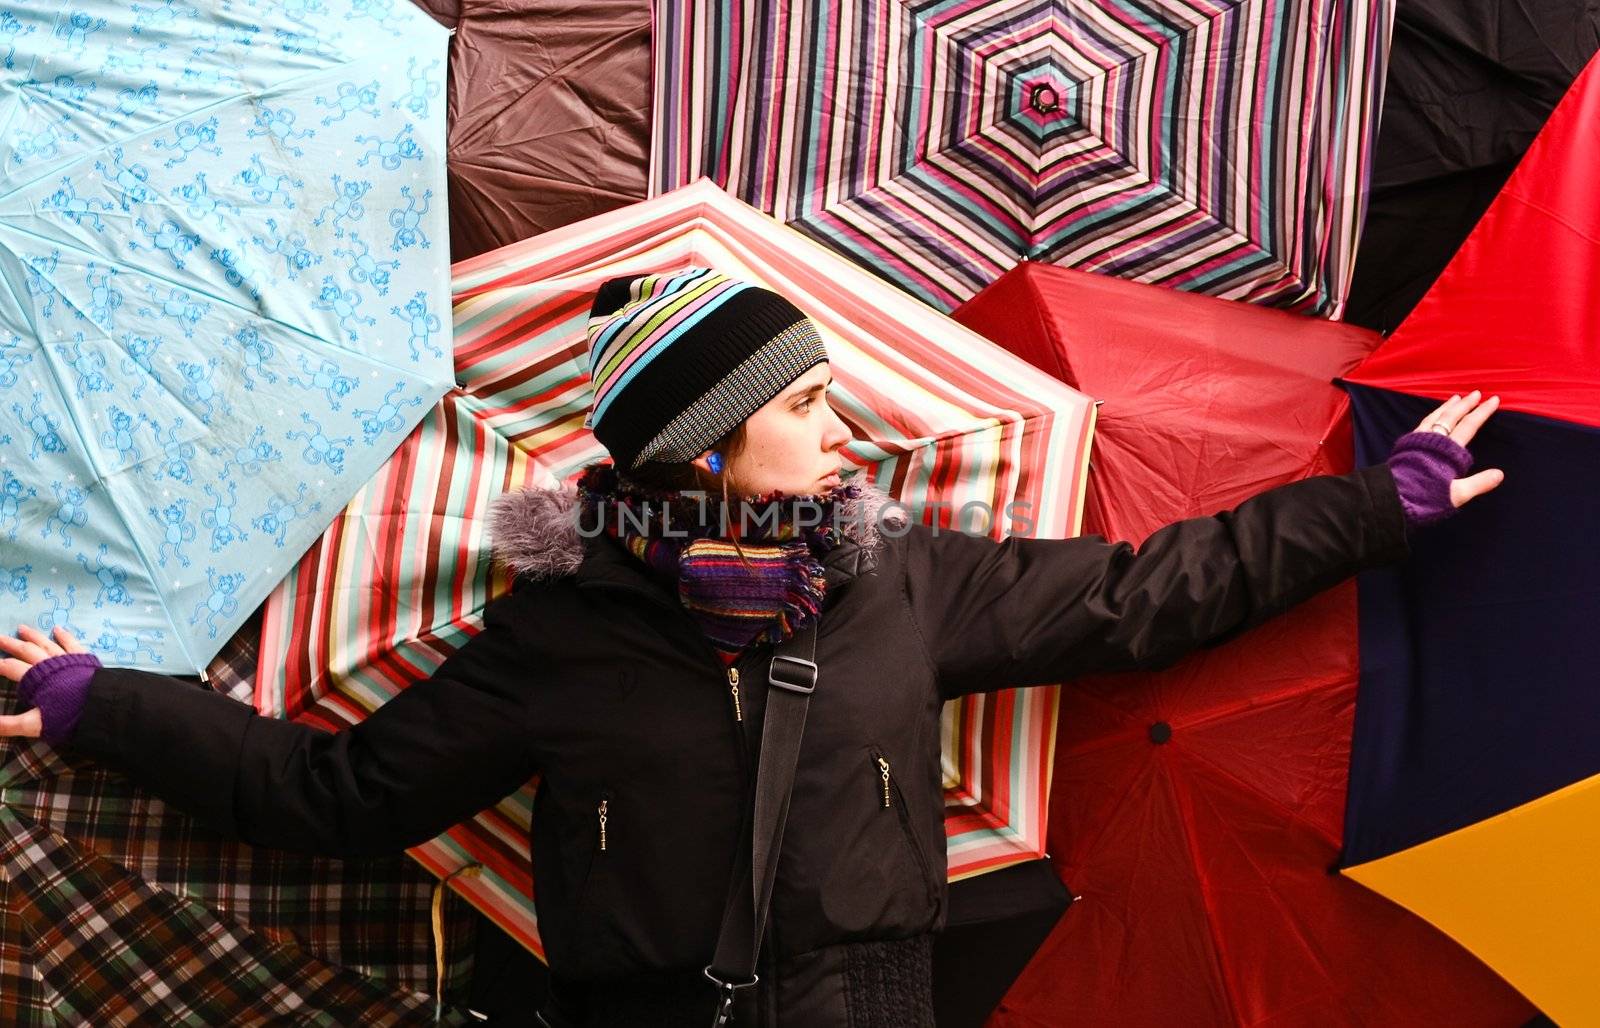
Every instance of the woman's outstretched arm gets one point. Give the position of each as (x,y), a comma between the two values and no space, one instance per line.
(439,752)
(1033,611)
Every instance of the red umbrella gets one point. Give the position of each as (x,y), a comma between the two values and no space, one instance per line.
(1197,812)
(549,111)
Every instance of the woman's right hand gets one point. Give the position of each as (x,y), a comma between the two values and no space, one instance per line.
(26,649)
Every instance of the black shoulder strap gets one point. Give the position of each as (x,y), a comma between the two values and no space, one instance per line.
(791,679)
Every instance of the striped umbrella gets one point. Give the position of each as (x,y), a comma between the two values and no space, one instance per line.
(400,579)
(1215,147)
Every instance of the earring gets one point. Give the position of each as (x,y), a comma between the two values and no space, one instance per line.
(715,461)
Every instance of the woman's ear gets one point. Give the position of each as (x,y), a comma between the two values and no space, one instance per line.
(703,462)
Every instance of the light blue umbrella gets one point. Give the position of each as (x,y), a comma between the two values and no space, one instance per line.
(223,299)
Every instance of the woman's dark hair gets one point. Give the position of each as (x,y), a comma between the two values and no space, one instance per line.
(679,476)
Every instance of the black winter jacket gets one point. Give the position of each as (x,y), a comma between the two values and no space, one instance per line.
(590,673)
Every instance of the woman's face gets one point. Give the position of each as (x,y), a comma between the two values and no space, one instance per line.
(792,443)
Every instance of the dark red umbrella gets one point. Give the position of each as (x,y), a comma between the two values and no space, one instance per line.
(1197,812)
(549,111)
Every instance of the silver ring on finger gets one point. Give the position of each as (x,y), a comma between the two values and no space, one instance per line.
(1441,428)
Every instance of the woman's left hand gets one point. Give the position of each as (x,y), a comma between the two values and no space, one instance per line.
(30,646)
(1463,416)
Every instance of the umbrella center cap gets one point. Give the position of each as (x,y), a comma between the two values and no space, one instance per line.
(1160,732)
(1044,99)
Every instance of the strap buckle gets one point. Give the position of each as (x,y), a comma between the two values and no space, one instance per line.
(797,675)
(725,991)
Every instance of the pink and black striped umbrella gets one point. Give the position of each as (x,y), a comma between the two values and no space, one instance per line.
(1215,146)
(400,579)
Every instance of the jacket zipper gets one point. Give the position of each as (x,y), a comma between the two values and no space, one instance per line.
(730,672)
(600,814)
(892,788)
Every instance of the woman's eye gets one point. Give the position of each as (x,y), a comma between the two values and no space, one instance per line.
(803,405)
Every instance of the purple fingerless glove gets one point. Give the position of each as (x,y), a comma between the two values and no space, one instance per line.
(58,686)
(1424,465)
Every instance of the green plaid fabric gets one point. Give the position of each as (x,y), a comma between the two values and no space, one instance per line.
(338,941)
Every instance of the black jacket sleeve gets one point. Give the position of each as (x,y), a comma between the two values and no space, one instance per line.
(442,750)
(1035,611)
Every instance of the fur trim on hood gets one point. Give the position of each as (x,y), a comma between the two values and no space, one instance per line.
(535,531)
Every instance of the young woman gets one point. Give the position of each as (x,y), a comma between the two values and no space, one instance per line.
(627,668)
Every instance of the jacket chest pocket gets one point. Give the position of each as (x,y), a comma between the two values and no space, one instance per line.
(891,803)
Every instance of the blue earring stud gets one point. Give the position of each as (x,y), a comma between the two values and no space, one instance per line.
(715,460)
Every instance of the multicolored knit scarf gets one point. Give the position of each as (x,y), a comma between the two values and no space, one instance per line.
(688,539)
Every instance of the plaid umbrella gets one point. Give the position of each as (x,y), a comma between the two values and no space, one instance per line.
(1214,147)
(220,299)
(347,940)
(939,414)
(1197,809)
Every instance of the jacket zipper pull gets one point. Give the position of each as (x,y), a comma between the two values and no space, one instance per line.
(733,687)
(883,768)
(602,811)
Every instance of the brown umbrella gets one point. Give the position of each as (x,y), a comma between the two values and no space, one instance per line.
(548,110)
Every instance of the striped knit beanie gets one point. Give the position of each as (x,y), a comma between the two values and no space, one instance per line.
(678,360)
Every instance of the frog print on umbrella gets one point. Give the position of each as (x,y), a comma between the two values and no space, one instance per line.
(320,447)
(112,579)
(389,417)
(351,99)
(80,210)
(176,529)
(221,602)
(219,518)
(70,512)
(275,520)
